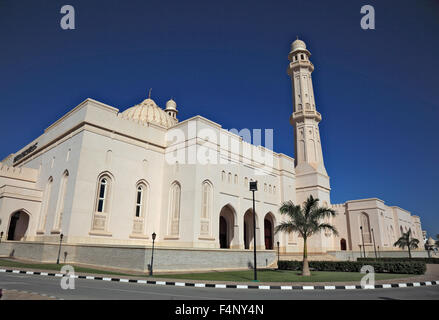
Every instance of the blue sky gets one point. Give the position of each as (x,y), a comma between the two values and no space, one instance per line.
(377,90)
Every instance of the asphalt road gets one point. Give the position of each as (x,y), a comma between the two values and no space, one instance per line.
(105,290)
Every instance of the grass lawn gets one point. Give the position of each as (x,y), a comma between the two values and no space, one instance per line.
(238,276)
(281,276)
(55,267)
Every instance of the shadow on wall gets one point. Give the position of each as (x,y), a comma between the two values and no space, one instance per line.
(11,255)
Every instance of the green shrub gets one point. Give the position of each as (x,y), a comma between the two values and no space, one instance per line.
(407,259)
(416,267)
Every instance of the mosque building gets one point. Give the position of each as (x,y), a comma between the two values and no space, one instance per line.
(107,180)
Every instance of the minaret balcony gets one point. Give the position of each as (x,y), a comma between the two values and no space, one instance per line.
(305,114)
(301,64)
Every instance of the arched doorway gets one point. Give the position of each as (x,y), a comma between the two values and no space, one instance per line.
(268,231)
(249,229)
(223,233)
(18,225)
(226,227)
(343,244)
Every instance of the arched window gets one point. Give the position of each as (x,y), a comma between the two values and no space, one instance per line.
(140,209)
(45,206)
(236,179)
(223,176)
(102,204)
(140,200)
(391,236)
(174,209)
(343,244)
(102,195)
(230,178)
(366,228)
(206,207)
(246,182)
(61,198)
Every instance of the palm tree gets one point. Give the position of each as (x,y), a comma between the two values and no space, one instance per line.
(305,221)
(405,241)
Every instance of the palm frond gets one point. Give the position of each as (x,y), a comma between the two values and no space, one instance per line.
(306,219)
(414,243)
(322,212)
(286,226)
(328,227)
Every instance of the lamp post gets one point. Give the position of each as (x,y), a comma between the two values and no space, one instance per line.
(253,188)
(362,240)
(278,254)
(374,247)
(152,253)
(59,250)
(379,256)
(1,236)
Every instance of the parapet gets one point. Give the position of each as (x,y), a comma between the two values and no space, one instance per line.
(19,173)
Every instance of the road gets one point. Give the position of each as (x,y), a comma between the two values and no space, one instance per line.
(105,290)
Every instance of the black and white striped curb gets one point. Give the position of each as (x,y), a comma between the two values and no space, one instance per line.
(233,286)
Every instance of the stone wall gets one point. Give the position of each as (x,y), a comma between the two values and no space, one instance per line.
(138,258)
(353,255)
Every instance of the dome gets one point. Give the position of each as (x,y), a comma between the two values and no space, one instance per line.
(431,241)
(171,105)
(298,45)
(149,112)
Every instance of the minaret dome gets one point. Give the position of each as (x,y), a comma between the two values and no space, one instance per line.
(171,108)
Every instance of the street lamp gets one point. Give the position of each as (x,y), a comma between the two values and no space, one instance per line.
(374,247)
(152,253)
(362,239)
(59,250)
(253,188)
(278,254)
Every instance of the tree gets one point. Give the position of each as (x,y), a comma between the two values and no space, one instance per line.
(406,241)
(437,240)
(306,222)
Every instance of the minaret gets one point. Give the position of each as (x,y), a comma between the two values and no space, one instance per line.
(305,118)
(171,109)
(311,176)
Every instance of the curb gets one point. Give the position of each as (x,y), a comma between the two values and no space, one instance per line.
(232,286)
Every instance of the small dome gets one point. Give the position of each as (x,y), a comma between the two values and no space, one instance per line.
(149,112)
(431,241)
(171,105)
(298,45)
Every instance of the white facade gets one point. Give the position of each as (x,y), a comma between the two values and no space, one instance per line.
(101,176)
